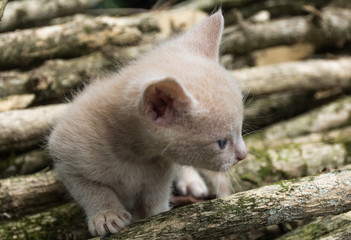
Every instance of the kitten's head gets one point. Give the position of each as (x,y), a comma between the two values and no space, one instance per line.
(195,111)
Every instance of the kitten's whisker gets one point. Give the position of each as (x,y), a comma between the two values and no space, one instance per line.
(236,180)
(218,185)
(230,181)
(247,134)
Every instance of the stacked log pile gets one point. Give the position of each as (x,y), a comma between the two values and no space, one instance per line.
(292,60)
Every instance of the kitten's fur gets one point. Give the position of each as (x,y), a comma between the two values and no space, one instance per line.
(117,147)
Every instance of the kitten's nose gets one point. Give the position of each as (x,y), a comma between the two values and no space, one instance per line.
(240,150)
(240,155)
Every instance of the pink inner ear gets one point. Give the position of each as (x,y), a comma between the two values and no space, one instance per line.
(161,103)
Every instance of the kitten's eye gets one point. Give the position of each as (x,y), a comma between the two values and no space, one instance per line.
(222,143)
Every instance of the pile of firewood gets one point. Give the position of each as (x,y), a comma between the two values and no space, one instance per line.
(292,60)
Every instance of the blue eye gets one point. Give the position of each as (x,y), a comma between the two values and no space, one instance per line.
(222,143)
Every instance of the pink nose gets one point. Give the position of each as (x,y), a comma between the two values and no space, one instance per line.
(240,155)
(240,149)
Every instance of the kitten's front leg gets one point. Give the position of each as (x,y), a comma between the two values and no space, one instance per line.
(105,212)
(189,181)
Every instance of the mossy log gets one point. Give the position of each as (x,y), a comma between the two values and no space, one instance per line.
(332,115)
(338,135)
(29,12)
(327,194)
(63,222)
(331,28)
(29,194)
(267,165)
(329,227)
(21,129)
(310,75)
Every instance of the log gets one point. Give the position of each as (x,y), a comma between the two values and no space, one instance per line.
(327,194)
(310,75)
(332,115)
(268,109)
(29,12)
(63,222)
(249,7)
(21,129)
(329,227)
(268,165)
(78,37)
(30,194)
(85,34)
(332,29)
(2,8)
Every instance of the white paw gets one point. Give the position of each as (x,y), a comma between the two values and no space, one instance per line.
(190,182)
(110,221)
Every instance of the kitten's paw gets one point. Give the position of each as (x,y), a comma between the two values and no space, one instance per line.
(110,221)
(193,185)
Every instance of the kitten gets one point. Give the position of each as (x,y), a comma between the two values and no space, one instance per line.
(118,146)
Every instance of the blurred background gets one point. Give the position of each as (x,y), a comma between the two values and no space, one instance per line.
(291,59)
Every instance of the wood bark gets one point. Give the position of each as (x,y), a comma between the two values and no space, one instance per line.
(30,194)
(311,75)
(21,129)
(63,222)
(28,12)
(285,161)
(332,29)
(332,115)
(326,194)
(329,227)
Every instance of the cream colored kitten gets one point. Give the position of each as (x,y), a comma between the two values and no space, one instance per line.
(117,147)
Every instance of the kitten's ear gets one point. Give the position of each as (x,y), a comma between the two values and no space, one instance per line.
(164,100)
(206,36)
